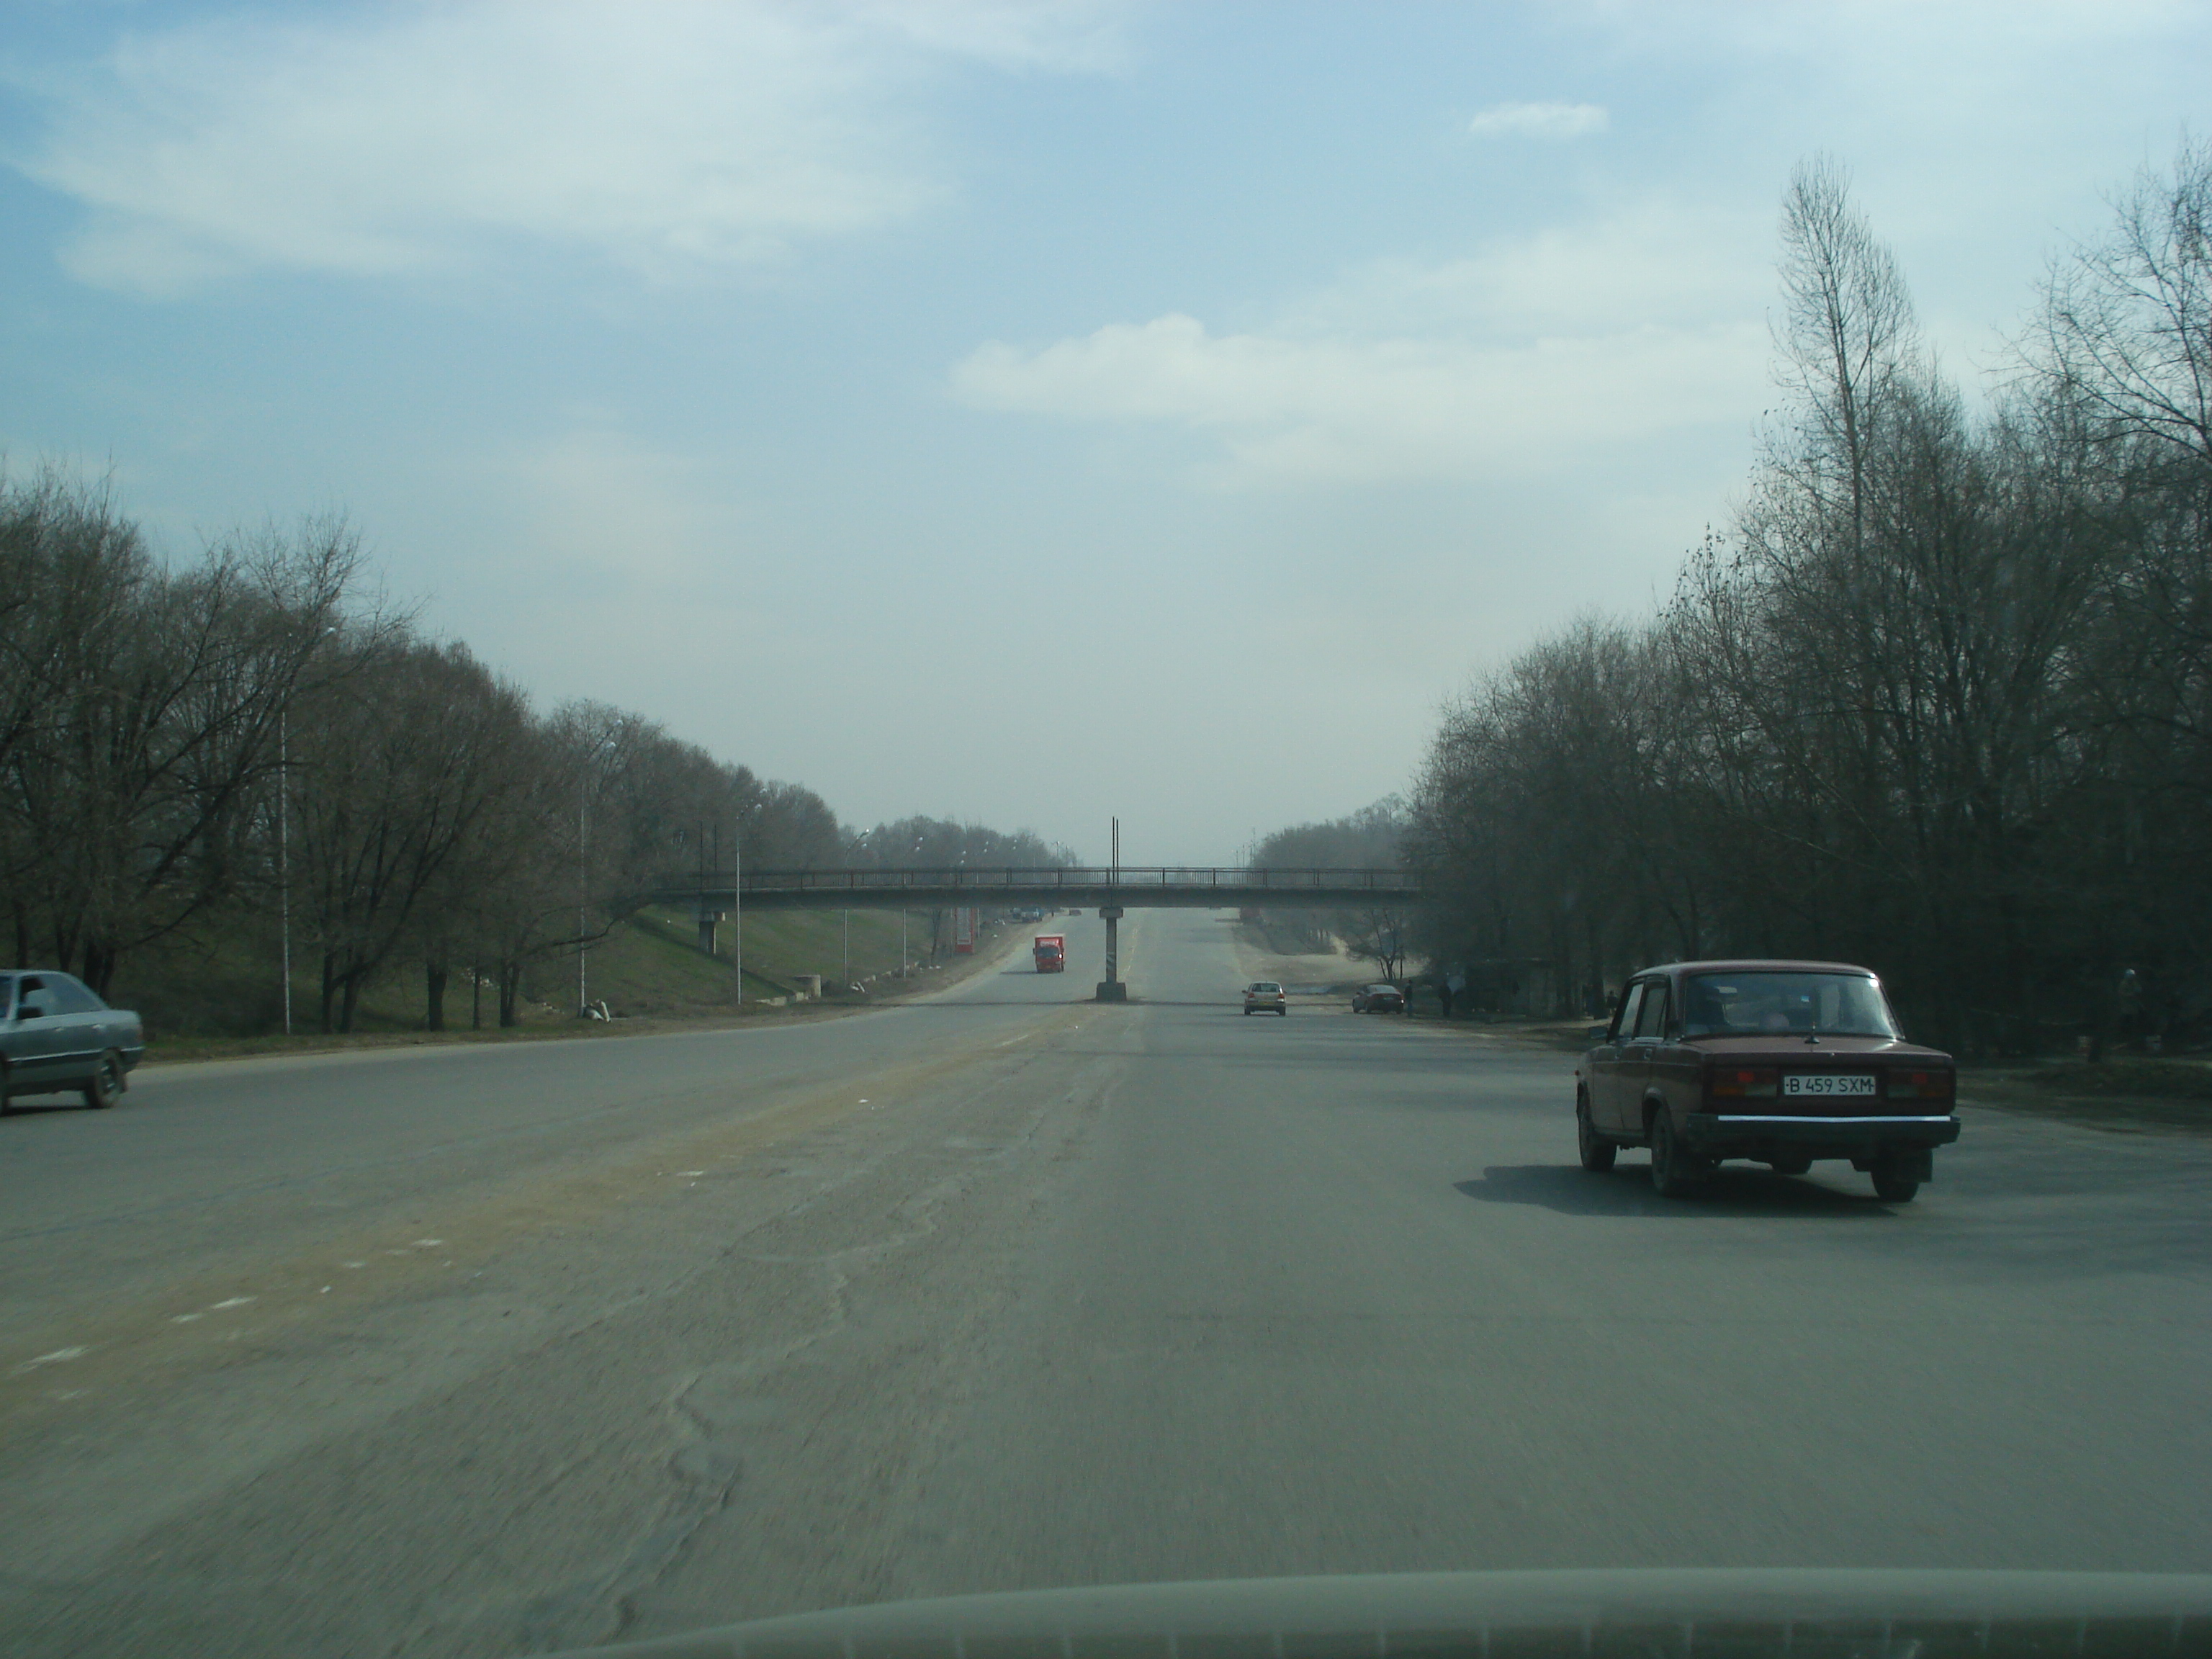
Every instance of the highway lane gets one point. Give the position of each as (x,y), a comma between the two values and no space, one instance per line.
(219,1160)
(1149,1292)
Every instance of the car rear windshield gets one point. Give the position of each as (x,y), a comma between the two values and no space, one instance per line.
(1267,985)
(1766,1004)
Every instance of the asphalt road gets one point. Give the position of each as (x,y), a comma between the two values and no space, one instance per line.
(494,1351)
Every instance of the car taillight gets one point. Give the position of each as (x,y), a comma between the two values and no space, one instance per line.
(1745,1083)
(1922,1086)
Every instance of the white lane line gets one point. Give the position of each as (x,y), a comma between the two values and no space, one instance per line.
(54,1359)
(185,1319)
(353,1264)
(427,1243)
(230,1302)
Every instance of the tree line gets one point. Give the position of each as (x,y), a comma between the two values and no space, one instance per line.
(1936,698)
(255,740)
(926,844)
(1372,838)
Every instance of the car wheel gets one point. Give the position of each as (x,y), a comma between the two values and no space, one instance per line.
(105,1086)
(5,1109)
(1895,1185)
(1597,1151)
(1247,1012)
(1284,1012)
(1674,1171)
(1797,1163)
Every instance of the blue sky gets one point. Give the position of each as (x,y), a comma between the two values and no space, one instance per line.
(1029,412)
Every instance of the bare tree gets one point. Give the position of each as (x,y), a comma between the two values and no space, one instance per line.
(147,703)
(397,772)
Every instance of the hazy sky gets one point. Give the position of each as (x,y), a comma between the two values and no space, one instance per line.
(1024,412)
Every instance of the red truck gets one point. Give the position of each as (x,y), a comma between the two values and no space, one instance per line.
(1052,953)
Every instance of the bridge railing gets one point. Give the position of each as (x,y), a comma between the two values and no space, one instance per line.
(1383,884)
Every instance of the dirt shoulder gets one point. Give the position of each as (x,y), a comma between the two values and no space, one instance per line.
(2128,1095)
(1565,1036)
(2124,1095)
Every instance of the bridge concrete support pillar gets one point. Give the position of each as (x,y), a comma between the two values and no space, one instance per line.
(709,922)
(1110,989)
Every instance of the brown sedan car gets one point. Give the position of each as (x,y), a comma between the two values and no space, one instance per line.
(1779,1062)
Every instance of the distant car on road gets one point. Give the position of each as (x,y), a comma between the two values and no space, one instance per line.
(1265,996)
(57,1037)
(1779,1062)
(1378,1000)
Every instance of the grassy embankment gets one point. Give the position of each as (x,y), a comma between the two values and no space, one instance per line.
(224,997)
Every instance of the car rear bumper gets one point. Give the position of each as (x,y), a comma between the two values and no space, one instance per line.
(1729,1134)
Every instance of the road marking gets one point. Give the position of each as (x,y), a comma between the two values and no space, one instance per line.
(230,1302)
(54,1359)
(353,1264)
(185,1319)
(427,1243)
(687,1174)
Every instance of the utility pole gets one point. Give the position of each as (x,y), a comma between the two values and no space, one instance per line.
(845,983)
(736,917)
(583,884)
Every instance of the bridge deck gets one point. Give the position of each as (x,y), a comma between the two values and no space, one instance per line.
(1052,889)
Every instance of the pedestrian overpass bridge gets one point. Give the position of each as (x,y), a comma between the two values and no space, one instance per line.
(1051,889)
(1108,890)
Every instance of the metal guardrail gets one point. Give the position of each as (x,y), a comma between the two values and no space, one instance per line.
(1091,885)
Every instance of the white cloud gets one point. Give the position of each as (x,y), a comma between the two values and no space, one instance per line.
(1540,121)
(1064,35)
(1296,410)
(683,136)
(1525,357)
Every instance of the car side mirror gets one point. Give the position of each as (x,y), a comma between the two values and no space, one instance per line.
(1596,1033)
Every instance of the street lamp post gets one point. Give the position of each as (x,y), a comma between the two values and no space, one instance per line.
(584,873)
(284,826)
(284,851)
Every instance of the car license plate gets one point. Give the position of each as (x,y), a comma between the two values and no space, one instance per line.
(1828,1083)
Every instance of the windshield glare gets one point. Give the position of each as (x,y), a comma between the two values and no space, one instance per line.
(1771,1004)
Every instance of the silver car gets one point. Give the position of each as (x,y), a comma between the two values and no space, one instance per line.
(57,1037)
